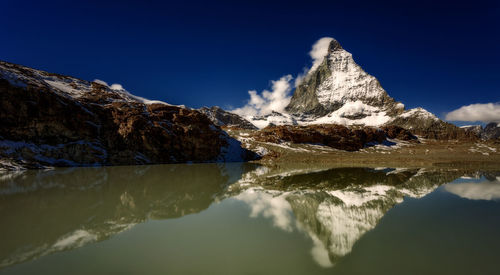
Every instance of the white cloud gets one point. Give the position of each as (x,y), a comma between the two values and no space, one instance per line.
(275,100)
(488,112)
(264,204)
(278,98)
(98,81)
(116,86)
(119,88)
(318,52)
(301,76)
(475,191)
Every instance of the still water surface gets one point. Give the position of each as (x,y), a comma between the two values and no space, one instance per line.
(249,219)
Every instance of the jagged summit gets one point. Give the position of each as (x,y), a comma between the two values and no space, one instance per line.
(337,81)
(334,46)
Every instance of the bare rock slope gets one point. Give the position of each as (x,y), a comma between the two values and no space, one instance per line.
(55,120)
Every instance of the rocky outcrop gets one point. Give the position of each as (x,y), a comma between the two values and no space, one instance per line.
(335,136)
(423,123)
(490,132)
(227,119)
(54,120)
(476,129)
(396,132)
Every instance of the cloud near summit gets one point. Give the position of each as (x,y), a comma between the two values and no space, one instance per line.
(275,100)
(279,96)
(318,52)
(488,112)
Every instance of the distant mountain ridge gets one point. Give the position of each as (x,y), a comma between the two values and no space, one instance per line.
(490,131)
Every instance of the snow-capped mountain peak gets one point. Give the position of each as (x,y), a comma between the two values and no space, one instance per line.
(336,81)
(67,86)
(336,90)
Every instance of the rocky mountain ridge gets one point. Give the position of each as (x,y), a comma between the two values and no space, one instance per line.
(221,117)
(490,131)
(54,120)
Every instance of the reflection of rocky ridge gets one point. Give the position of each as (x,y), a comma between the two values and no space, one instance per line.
(48,211)
(334,207)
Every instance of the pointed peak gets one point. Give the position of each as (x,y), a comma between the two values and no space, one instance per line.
(334,46)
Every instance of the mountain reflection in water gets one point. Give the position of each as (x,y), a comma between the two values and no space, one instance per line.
(49,211)
(334,207)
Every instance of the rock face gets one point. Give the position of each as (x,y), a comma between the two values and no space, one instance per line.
(396,132)
(223,118)
(476,129)
(490,131)
(336,82)
(54,120)
(335,136)
(425,124)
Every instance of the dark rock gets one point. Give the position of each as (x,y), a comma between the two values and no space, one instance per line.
(220,117)
(396,132)
(52,120)
(335,136)
(491,131)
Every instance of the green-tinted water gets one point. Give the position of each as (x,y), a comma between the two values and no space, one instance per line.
(249,219)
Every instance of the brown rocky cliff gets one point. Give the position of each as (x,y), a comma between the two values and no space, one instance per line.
(43,126)
(332,135)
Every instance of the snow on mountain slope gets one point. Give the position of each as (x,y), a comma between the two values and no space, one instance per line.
(54,120)
(419,112)
(333,213)
(337,81)
(21,76)
(351,113)
(338,91)
(347,82)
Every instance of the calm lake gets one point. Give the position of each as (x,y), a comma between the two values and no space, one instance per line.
(249,219)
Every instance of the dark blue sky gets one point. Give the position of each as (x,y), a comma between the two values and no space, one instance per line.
(438,56)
